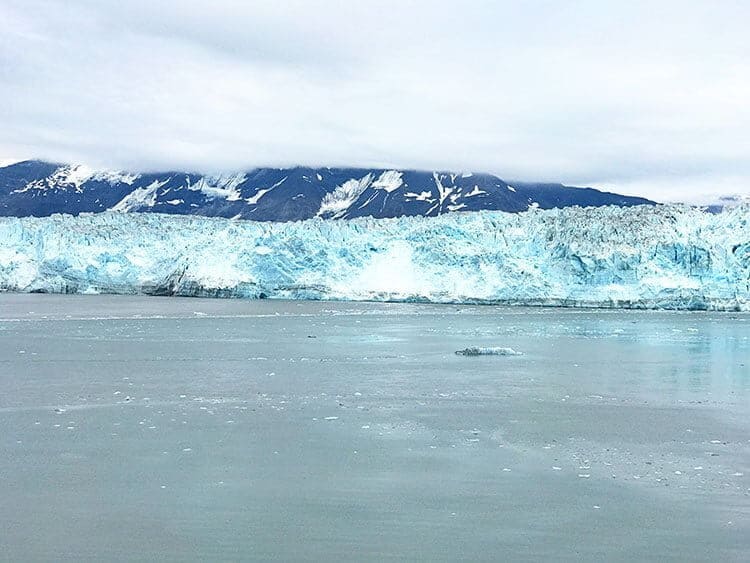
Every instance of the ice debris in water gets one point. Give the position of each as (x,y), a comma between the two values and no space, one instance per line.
(487,351)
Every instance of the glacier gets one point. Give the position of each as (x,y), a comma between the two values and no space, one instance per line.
(661,257)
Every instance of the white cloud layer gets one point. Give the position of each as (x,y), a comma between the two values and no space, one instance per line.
(646,97)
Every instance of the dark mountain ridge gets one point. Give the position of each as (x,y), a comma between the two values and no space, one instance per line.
(38,188)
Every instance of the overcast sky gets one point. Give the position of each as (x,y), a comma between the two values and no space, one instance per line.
(643,97)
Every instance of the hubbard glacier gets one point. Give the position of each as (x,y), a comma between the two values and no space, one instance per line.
(374,280)
(646,257)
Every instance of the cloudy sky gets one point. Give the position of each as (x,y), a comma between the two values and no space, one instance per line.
(645,97)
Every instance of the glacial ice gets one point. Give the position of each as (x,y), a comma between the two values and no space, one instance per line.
(639,257)
(487,351)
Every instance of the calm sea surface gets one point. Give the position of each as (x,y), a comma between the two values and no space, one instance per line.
(144,428)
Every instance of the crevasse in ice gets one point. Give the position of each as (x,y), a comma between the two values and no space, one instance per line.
(651,257)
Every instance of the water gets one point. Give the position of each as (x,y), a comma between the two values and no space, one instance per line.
(136,428)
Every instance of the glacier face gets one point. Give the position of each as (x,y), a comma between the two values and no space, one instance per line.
(646,257)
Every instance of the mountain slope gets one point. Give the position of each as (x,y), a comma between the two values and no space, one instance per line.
(35,188)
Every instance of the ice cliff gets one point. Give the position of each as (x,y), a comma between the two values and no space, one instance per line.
(644,257)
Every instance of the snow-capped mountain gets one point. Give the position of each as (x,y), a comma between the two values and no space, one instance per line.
(646,257)
(724,202)
(35,188)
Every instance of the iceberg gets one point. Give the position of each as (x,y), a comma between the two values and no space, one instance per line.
(487,351)
(659,257)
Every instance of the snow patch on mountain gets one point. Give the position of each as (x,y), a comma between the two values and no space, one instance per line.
(254,199)
(335,203)
(75,176)
(475,191)
(443,193)
(390,180)
(421,196)
(140,198)
(221,186)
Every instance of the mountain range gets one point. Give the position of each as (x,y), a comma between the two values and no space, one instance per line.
(38,188)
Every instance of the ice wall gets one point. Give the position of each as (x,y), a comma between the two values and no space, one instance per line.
(650,257)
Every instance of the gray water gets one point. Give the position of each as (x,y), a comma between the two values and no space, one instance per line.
(137,428)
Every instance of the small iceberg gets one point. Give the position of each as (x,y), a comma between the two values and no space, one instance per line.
(491,351)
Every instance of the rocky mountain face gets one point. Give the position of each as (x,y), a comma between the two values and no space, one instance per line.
(36,188)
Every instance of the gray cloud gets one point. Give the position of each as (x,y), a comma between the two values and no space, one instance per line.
(640,96)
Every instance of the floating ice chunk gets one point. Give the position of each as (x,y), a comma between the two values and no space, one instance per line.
(487,351)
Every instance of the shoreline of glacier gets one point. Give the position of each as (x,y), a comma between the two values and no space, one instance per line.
(663,257)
